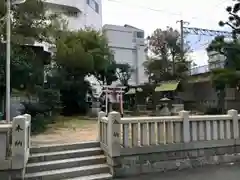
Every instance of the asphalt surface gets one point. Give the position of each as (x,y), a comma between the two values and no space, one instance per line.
(221,172)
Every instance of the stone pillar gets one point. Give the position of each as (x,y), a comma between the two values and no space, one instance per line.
(186,126)
(113,134)
(101,114)
(234,114)
(29,119)
(19,142)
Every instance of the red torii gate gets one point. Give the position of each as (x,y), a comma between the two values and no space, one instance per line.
(114,91)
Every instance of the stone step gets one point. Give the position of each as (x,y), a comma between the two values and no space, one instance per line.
(65,163)
(68,173)
(104,176)
(51,156)
(64,147)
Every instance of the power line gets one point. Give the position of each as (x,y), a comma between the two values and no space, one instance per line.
(148,8)
(221,3)
(200,46)
(186,30)
(182,36)
(206,32)
(157,10)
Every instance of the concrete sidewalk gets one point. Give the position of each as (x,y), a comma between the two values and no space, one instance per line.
(221,172)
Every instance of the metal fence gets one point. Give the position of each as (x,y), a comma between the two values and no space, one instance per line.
(206,68)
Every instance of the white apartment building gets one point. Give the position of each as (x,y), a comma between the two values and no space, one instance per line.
(128,46)
(215,60)
(78,13)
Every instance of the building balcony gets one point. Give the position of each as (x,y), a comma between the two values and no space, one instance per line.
(75,5)
(199,70)
(214,56)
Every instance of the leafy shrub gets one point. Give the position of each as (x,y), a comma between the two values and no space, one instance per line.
(39,123)
(40,116)
(116,107)
(35,108)
(43,110)
(213,111)
(51,98)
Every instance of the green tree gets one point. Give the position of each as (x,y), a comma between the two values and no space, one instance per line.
(233,19)
(124,72)
(229,76)
(165,62)
(155,70)
(80,54)
(30,23)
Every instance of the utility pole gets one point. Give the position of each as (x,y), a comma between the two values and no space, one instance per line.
(182,40)
(8,61)
(182,37)
(8,55)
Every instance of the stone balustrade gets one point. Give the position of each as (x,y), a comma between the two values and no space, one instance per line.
(4,129)
(15,146)
(20,141)
(127,140)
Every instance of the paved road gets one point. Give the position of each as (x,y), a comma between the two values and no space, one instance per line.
(223,172)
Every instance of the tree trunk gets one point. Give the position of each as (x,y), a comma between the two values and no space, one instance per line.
(173,64)
(221,100)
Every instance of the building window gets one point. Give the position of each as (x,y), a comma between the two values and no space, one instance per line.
(94,5)
(71,13)
(140,34)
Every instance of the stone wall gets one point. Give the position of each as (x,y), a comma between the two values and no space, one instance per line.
(11,174)
(168,158)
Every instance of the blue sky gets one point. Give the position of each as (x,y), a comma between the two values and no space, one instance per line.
(152,14)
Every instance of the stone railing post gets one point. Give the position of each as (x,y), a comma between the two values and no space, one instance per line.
(186,126)
(29,119)
(101,114)
(113,134)
(234,114)
(19,142)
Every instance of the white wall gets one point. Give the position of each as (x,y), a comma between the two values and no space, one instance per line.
(94,19)
(119,37)
(74,23)
(126,56)
(128,48)
(79,4)
(141,58)
(86,15)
